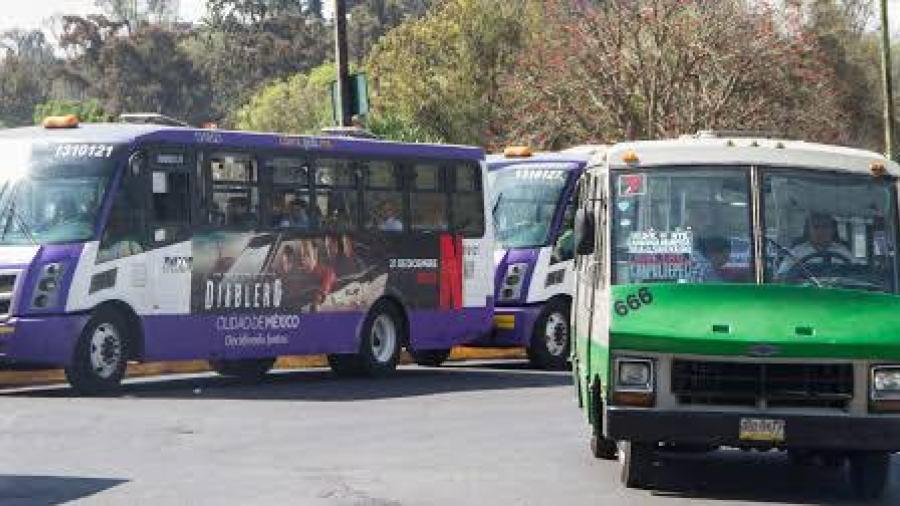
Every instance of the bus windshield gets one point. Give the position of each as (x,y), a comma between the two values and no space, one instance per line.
(52,193)
(682,225)
(525,199)
(828,229)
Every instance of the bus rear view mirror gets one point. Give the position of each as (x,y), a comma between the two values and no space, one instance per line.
(584,232)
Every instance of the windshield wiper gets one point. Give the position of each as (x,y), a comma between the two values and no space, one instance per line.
(800,265)
(14,215)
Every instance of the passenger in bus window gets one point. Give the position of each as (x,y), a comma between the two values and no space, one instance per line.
(237,213)
(819,245)
(297,215)
(716,252)
(390,222)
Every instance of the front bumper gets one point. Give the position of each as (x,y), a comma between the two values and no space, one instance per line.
(513,326)
(826,432)
(47,340)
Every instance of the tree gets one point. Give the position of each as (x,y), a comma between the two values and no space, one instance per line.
(134,13)
(145,71)
(246,44)
(26,63)
(369,20)
(441,72)
(628,70)
(300,104)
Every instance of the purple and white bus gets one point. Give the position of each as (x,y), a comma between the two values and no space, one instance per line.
(125,242)
(533,221)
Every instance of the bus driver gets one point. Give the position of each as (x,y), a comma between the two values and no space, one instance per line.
(820,245)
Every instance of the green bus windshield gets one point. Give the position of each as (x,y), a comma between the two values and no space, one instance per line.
(694,225)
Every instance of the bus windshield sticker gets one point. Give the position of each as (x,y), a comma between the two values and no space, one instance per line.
(632,185)
(541,174)
(84,151)
(624,205)
(651,241)
(661,267)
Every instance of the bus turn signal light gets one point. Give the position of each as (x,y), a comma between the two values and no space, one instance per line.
(67,121)
(517,152)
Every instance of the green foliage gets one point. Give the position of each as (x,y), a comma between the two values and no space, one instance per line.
(396,128)
(26,62)
(442,72)
(300,104)
(88,111)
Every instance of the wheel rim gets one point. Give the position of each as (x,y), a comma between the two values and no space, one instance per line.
(384,338)
(556,334)
(106,350)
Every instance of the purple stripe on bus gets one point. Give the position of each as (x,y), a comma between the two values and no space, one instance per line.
(45,340)
(225,139)
(67,255)
(520,335)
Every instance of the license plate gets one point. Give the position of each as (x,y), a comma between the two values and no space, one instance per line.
(762,429)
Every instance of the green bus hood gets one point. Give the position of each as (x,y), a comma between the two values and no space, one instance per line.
(755,320)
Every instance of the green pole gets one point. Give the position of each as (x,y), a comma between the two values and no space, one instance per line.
(887,82)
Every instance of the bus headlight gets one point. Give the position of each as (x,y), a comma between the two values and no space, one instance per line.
(513,280)
(884,389)
(46,290)
(635,383)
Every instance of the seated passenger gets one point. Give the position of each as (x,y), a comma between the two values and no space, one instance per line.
(297,215)
(237,213)
(389,220)
(820,245)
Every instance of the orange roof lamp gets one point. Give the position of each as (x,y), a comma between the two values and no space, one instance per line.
(517,152)
(67,121)
(630,156)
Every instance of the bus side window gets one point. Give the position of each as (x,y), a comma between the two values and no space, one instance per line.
(291,204)
(467,205)
(383,196)
(124,233)
(428,201)
(336,200)
(235,191)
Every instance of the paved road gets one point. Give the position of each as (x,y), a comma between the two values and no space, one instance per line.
(474,434)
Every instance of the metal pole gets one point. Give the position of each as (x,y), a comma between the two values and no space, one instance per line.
(343,73)
(887,83)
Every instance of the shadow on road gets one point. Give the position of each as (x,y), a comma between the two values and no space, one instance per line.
(765,478)
(47,490)
(323,385)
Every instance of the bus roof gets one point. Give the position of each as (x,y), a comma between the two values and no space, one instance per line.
(117,133)
(574,160)
(693,151)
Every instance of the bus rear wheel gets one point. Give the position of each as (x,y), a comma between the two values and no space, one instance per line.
(869,474)
(246,370)
(101,354)
(430,358)
(380,340)
(550,339)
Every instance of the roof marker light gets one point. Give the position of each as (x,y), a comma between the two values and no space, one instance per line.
(630,156)
(517,152)
(878,168)
(67,121)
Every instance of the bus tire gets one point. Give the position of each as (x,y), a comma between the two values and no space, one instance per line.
(551,337)
(253,369)
(869,474)
(636,459)
(603,448)
(383,334)
(100,358)
(430,358)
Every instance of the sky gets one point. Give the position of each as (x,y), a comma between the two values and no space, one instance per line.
(33,13)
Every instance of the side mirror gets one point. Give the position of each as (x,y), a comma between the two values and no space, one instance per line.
(584,232)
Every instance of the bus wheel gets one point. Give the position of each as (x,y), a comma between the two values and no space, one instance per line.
(869,474)
(247,370)
(430,358)
(637,463)
(381,339)
(603,448)
(101,352)
(549,347)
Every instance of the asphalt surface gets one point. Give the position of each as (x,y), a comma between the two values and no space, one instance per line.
(479,434)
